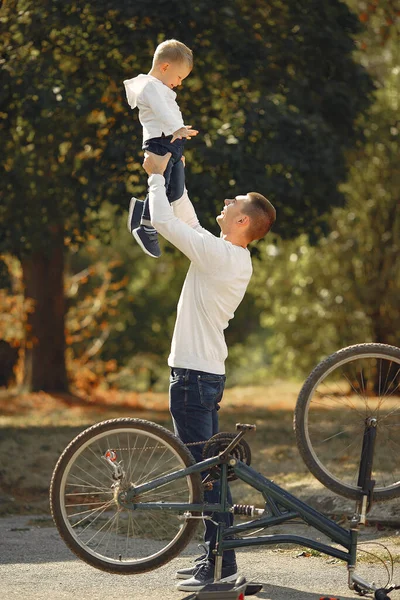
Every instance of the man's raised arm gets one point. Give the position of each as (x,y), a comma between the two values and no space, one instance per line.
(183,207)
(198,244)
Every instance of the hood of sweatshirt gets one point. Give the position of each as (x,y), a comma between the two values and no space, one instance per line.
(134,86)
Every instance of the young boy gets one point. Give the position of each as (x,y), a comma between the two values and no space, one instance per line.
(163,130)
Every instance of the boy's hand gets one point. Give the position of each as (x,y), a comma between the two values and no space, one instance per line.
(154,164)
(184,132)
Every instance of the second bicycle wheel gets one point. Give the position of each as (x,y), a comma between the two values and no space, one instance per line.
(95,468)
(352,385)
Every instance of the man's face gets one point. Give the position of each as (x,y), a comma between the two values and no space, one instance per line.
(232,210)
(172,74)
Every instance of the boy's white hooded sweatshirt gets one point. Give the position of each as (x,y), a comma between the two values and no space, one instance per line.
(159,112)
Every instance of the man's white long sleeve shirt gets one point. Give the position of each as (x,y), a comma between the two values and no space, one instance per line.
(159,112)
(215,284)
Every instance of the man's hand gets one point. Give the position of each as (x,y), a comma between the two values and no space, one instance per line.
(184,132)
(154,164)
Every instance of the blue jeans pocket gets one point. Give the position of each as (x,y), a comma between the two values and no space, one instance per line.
(211,388)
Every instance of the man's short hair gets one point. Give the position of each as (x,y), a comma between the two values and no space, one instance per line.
(173,51)
(262,215)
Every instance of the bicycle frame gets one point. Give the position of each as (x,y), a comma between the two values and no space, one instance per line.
(282,507)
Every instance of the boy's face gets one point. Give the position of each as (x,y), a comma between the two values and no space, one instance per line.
(173,73)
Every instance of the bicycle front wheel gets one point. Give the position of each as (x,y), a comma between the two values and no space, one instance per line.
(95,468)
(340,395)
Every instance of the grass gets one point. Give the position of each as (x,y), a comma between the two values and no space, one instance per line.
(35,429)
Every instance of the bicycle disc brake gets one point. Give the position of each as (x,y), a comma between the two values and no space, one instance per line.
(218,443)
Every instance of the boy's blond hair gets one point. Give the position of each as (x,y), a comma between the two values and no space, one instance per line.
(173,51)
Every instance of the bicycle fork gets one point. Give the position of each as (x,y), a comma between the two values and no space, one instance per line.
(366,483)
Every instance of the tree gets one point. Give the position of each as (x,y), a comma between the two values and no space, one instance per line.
(275,92)
(137,329)
(348,285)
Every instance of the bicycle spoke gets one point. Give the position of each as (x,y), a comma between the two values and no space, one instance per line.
(90,475)
(340,407)
(88,513)
(91,490)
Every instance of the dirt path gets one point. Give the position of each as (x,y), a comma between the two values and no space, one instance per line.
(35,564)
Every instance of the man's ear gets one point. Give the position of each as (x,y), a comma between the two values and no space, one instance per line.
(243,220)
(164,67)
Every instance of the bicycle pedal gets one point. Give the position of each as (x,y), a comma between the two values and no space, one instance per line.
(245,427)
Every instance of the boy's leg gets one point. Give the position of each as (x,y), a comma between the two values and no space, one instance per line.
(176,185)
(146,219)
(134,213)
(144,232)
(175,175)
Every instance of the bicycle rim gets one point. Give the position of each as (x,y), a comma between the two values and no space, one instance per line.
(355,384)
(87,512)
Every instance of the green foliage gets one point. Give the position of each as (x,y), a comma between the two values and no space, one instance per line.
(13,306)
(275,93)
(57,104)
(131,324)
(121,308)
(346,289)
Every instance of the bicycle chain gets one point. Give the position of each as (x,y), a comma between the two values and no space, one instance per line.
(154,447)
(196,443)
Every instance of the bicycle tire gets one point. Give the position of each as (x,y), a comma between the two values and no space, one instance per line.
(84,488)
(326,417)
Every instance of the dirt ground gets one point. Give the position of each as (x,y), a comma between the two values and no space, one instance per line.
(35,429)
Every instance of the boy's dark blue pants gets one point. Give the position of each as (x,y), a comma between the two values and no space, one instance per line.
(174,174)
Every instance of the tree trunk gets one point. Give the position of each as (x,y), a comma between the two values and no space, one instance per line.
(383,331)
(43,276)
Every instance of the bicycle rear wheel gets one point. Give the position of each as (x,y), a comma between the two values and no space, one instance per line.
(95,467)
(340,394)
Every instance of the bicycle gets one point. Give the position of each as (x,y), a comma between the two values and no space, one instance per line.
(127,496)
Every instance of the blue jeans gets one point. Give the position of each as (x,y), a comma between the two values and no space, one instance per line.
(194,404)
(174,173)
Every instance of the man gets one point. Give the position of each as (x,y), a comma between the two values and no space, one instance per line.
(215,284)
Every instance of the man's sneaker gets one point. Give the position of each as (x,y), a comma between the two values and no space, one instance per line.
(190,571)
(205,575)
(135,213)
(147,238)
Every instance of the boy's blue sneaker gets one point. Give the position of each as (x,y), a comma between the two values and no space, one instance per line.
(205,575)
(147,238)
(135,213)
